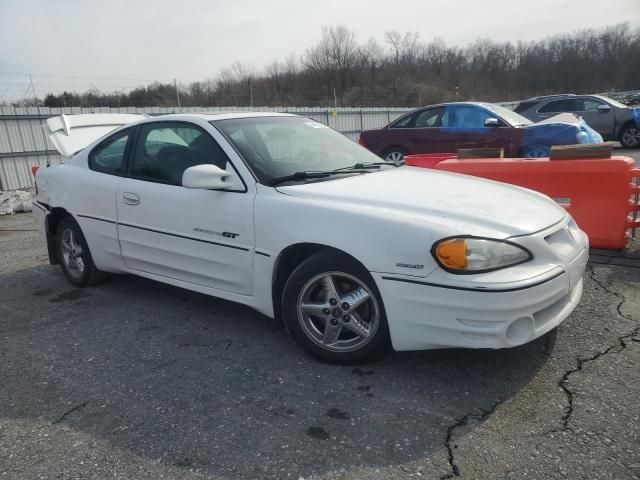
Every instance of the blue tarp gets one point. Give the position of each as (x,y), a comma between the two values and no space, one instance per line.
(563,129)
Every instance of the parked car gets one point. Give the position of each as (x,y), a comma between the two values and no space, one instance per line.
(285,215)
(452,126)
(612,119)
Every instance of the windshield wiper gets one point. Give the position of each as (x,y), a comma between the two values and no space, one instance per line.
(304,175)
(366,165)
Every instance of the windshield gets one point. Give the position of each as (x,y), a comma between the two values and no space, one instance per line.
(511,117)
(274,147)
(611,101)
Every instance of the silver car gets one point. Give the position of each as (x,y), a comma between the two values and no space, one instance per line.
(612,119)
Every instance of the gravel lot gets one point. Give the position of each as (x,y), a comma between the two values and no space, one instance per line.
(135,379)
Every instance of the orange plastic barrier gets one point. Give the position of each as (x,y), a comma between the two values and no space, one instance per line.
(601,194)
(427,160)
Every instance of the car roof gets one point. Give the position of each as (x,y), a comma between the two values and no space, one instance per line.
(548,97)
(211,116)
(476,104)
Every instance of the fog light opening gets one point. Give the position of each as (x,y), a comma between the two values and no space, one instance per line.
(520,331)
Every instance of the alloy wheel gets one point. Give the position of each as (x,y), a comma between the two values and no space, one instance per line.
(338,312)
(72,253)
(394,156)
(631,137)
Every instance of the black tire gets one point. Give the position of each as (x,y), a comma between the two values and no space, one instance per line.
(89,275)
(630,136)
(329,262)
(536,150)
(393,151)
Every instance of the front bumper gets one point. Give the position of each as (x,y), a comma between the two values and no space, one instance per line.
(425,316)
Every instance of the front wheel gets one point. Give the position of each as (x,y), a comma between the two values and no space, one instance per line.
(73,253)
(630,136)
(395,155)
(334,311)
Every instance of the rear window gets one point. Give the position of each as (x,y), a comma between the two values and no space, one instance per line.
(522,106)
(559,106)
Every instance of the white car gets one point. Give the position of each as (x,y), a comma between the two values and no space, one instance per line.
(286,215)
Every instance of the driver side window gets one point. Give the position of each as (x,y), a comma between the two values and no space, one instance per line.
(165,150)
(430,118)
(467,116)
(587,105)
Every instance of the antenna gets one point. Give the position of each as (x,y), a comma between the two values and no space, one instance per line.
(175,84)
(44,137)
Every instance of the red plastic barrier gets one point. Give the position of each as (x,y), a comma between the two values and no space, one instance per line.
(601,194)
(427,160)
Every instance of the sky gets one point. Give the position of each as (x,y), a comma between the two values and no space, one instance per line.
(119,44)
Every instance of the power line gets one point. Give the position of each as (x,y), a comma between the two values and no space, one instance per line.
(79,77)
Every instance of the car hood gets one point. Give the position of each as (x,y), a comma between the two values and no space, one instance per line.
(462,203)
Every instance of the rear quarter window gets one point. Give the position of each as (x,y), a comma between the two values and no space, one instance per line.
(109,156)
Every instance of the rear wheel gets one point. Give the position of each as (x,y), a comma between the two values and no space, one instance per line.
(536,150)
(73,253)
(630,136)
(394,155)
(334,311)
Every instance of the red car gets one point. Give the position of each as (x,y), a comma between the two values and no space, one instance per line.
(446,128)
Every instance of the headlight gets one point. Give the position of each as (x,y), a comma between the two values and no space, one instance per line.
(466,254)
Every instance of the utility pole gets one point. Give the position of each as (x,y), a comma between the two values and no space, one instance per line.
(175,84)
(44,137)
(250,93)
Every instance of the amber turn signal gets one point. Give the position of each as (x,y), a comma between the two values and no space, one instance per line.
(453,253)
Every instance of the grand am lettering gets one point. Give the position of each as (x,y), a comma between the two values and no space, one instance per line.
(213,232)
(410,265)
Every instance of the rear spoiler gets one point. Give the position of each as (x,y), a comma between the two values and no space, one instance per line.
(72,133)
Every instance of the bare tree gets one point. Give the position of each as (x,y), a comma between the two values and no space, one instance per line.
(404,71)
(334,59)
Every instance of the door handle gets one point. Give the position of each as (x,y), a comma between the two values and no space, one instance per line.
(131,198)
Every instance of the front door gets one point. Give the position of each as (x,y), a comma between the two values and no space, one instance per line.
(465,123)
(427,134)
(601,121)
(199,236)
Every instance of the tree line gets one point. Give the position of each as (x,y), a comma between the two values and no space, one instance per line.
(403,71)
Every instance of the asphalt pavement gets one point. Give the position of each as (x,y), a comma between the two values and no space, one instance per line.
(635,154)
(136,379)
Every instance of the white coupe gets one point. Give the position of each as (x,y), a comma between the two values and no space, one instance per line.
(286,215)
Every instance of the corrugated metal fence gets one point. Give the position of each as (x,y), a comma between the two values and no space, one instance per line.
(23,143)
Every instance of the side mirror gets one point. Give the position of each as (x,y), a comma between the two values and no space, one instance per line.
(206,177)
(491,122)
(604,108)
